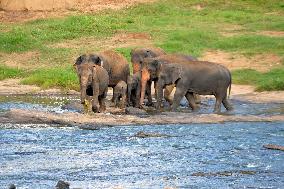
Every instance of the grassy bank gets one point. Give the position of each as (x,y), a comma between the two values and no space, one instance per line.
(7,72)
(175,25)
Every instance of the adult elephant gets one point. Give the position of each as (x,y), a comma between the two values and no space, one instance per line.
(115,64)
(149,72)
(199,77)
(139,54)
(94,81)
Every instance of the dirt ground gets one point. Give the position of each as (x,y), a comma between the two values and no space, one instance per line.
(82,6)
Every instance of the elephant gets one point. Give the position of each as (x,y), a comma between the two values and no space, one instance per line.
(94,81)
(134,89)
(138,55)
(115,64)
(120,91)
(200,77)
(149,73)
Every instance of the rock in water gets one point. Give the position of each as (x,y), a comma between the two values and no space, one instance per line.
(135,111)
(142,134)
(62,185)
(12,186)
(273,147)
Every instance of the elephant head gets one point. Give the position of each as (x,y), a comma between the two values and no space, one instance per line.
(139,54)
(84,67)
(168,74)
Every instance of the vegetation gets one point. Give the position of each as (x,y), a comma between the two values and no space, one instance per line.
(175,25)
(270,81)
(6,72)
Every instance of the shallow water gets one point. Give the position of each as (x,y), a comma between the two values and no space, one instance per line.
(111,157)
(71,103)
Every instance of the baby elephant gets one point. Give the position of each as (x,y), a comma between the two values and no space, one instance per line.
(119,94)
(134,89)
(94,82)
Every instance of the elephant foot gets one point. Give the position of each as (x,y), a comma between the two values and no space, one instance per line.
(149,104)
(95,109)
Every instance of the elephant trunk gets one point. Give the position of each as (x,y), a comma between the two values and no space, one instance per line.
(145,77)
(83,89)
(129,89)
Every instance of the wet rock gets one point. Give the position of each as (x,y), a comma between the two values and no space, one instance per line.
(135,111)
(73,106)
(88,127)
(142,134)
(12,186)
(223,173)
(273,147)
(62,185)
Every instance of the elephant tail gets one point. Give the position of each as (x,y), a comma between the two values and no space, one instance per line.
(230,86)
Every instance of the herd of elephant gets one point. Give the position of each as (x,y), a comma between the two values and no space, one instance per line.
(190,77)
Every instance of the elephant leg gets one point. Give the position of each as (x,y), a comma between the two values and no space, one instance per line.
(226,103)
(191,100)
(180,92)
(155,87)
(197,98)
(167,93)
(95,103)
(102,104)
(123,101)
(112,99)
(217,108)
(148,92)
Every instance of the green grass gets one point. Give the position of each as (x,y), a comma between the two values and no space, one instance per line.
(173,25)
(60,77)
(7,72)
(269,81)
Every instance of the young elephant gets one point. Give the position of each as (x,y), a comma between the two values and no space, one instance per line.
(94,81)
(134,89)
(204,78)
(119,93)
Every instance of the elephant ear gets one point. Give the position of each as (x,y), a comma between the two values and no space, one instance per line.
(175,71)
(149,53)
(96,60)
(80,59)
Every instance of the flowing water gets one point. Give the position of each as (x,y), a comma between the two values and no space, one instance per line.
(229,155)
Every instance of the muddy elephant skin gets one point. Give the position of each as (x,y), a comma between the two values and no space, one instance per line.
(119,94)
(204,78)
(149,71)
(94,81)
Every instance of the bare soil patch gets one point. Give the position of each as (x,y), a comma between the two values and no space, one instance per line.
(261,62)
(119,40)
(77,7)
(13,86)
(20,60)
(272,33)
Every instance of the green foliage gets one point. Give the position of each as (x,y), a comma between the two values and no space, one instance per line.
(7,72)
(269,81)
(61,77)
(175,25)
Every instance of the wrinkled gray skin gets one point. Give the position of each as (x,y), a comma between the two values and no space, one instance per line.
(137,57)
(119,94)
(94,81)
(204,78)
(115,64)
(139,54)
(134,89)
(149,73)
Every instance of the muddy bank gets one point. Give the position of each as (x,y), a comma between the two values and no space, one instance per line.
(31,105)
(107,119)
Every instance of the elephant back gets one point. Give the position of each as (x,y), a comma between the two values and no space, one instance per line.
(116,65)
